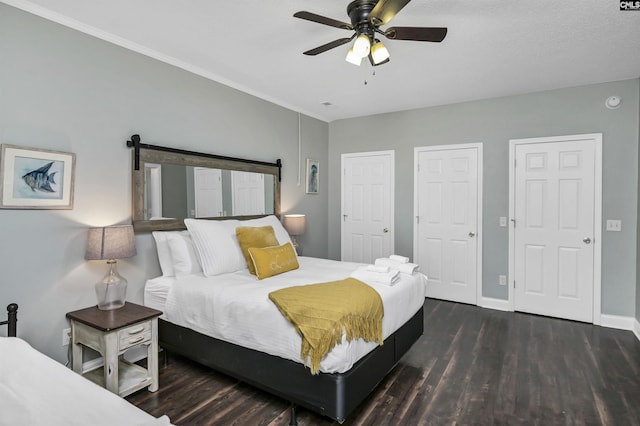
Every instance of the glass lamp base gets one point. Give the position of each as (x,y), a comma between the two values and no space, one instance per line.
(296,246)
(111,291)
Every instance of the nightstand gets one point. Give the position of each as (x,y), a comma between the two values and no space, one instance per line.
(112,333)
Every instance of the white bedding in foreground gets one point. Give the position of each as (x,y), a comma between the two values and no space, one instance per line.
(235,307)
(36,390)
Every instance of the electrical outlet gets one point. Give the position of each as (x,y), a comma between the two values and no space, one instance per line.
(502,279)
(66,336)
(614,225)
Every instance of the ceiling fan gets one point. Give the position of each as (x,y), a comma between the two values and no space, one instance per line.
(366,18)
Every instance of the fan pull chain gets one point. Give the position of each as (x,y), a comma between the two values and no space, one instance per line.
(373,74)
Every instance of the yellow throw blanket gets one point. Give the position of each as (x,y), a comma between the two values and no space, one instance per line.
(320,313)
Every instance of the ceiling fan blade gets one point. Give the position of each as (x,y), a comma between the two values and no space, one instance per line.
(385,10)
(322,20)
(328,46)
(434,34)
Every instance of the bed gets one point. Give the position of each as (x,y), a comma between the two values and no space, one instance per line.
(36,390)
(226,320)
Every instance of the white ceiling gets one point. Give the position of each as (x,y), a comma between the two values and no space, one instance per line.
(493,48)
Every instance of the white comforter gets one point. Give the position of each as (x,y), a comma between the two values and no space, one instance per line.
(235,307)
(36,390)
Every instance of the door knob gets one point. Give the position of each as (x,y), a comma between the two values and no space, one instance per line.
(472,234)
(587,240)
(385,230)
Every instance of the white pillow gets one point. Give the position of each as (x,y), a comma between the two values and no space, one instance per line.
(281,234)
(164,255)
(217,246)
(183,254)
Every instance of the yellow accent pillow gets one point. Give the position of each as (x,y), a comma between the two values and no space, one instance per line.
(270,261)
(255,236)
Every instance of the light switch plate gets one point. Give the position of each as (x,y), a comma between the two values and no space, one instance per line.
(503,221)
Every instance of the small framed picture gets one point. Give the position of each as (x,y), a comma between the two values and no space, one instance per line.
(313,176)
(36,178)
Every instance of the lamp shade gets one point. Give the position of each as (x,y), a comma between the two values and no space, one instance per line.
(362,45)
(379,52)
(295,224)
(110,242)
(352,58)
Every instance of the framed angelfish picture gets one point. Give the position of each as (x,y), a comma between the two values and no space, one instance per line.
(313,176)
(36,178)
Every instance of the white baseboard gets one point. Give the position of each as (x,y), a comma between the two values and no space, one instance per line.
(610,321)
(497,304)
(617,321)
(621,323)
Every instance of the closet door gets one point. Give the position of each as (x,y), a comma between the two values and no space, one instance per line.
(555,203)
(247,193)
(447,243)
(208,192)
(367,206)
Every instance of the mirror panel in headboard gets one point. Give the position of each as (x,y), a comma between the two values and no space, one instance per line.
(170,185)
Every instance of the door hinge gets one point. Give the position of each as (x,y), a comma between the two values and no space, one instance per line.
(514,283)
(417,219)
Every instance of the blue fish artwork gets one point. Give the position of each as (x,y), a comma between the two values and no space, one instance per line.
(40,179)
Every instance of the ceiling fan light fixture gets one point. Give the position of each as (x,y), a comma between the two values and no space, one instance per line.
(366,17)
(352,58)
(362,46)
(379,52)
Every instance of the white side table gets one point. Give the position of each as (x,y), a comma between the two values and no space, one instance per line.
(112,333)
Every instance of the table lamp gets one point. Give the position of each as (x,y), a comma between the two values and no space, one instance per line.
(295,224)
(111,243)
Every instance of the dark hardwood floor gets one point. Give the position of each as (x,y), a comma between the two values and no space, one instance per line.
(472,366)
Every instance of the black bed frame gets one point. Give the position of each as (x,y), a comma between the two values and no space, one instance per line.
(12,320)
(333,395)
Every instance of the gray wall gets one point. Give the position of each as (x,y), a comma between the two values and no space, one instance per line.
(494,122)
(638,249)
(62,90)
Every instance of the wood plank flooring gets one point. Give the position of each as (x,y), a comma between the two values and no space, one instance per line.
(472,366)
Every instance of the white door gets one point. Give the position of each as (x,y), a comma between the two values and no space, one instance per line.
(447,204)
(247,193)
(554,207)
(367,206)
(208,192)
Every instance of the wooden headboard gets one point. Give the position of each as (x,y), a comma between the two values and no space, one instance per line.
(12,319)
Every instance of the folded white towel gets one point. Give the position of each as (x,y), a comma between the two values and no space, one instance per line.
(388,278)
(378,268)
(399,259)
(405,268)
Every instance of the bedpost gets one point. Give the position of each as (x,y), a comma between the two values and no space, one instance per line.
(294,416)
(12,315)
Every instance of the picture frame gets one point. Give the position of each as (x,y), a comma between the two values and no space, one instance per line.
(32,178)
(313,176)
